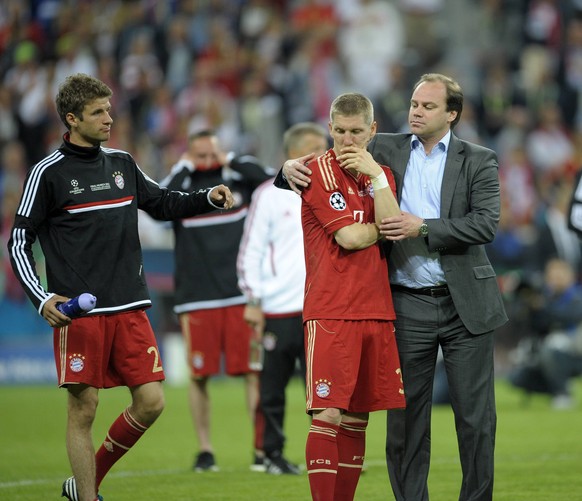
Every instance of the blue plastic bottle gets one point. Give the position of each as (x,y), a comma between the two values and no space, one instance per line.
(78,305)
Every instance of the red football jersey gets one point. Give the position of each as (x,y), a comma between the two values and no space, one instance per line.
(342,284)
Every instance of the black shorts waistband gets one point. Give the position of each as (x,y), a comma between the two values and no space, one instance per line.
(436,291)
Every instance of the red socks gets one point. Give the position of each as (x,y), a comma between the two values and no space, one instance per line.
(335,457)
(123,434)
(321,457)
(351,444)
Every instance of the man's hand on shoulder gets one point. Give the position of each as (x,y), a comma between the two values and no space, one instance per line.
(296,172)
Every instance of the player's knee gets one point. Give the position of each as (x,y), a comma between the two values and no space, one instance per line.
(147,412)
(156,408)
(329,415)
(153,407)
(148,404)
(82,406)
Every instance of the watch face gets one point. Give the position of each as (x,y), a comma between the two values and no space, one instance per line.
(423,230)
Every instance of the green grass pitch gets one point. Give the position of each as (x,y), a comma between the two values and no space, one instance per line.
(538,452)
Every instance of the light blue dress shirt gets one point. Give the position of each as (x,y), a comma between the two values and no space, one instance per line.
(411,264)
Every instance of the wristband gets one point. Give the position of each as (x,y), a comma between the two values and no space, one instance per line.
(380,182)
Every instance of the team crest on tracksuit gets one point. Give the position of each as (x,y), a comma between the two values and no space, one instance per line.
(119,181)
(269,341)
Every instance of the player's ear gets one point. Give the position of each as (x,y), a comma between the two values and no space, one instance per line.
(373,129)
(71,119)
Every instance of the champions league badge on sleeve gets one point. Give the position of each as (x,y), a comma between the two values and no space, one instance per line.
(337,201)
(322,388)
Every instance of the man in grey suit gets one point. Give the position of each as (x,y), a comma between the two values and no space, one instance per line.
(444,288)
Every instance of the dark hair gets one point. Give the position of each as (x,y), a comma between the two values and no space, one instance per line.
(295,133)
(454,93)
(76,92)
(350,104)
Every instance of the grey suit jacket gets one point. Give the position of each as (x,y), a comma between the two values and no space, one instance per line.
(470,206)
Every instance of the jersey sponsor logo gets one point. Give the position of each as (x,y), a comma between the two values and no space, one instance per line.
(119,181)
(76,190)
(337,201)
(322,388)
(76,362)
(359,216)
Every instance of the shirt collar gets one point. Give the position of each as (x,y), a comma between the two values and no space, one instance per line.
(443,144)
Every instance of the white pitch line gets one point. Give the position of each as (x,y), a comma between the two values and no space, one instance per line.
(375,463)
(120,474)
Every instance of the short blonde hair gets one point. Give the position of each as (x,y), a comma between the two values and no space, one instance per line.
(350,104)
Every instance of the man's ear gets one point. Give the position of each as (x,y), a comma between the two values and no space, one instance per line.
(72,119)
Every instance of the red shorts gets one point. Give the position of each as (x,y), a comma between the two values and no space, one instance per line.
(352,365)
(108,350)
(210,333)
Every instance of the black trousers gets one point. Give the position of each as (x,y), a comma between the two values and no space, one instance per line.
(423,324)
(283,344)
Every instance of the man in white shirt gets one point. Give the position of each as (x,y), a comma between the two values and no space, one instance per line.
(271,274)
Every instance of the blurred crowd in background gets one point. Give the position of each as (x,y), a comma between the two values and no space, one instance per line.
(251,68)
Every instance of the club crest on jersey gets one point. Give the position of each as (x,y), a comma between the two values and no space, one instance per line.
(76,362)
(269,341)
(119,181)
(337,201)
(322,388)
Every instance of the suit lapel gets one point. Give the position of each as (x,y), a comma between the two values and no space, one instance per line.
(453,167)
(401,158)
